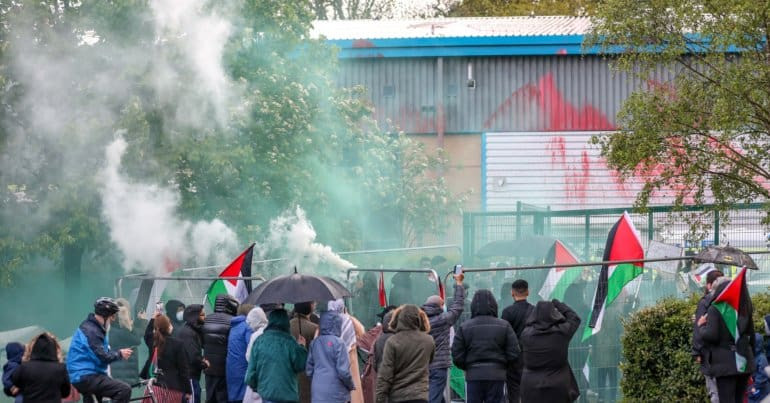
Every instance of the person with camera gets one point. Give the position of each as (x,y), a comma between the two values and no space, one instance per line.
(90,354)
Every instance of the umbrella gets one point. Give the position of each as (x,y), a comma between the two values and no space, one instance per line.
(532,246)
(726,255)
(294,288)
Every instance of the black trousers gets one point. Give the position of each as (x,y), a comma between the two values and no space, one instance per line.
(101,386)
(216,389)
(513,380)
(732,388)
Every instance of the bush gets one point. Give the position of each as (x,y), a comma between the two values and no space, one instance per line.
(656,345)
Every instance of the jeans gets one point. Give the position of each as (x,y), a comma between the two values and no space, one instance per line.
(484,391)
(436,384)
(100,386)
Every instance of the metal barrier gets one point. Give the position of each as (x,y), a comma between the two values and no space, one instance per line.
(191,295)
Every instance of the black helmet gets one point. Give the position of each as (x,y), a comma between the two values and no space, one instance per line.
(105,307)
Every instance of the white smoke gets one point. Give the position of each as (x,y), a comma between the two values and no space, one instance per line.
(144,225)
(292,236)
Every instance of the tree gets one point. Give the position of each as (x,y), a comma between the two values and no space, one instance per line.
(702,136)
(489,8)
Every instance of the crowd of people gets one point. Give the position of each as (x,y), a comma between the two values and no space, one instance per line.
(317,353)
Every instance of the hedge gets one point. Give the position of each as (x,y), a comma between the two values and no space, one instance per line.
(657,364)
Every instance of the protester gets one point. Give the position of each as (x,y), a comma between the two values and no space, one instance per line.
(192,340)
(90,354)
(328,363)
(351,330)
(699,352)
(547,376)
(301,324)
(516,315)
(401,289)
(13,353)
(257,321)
(276,358)
(216,329)
(366,345)
(124,334)
(366,299)
(173,365)
(237,342)
(440,324)
(760,388)
(175,312)
(722,346)
(387,332)
(403,374)
(42,377)
(484,347)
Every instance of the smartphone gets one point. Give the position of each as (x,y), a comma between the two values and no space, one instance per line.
(458,269)
(159,307)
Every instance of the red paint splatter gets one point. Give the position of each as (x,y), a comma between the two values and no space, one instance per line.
(561,51)
(362,43)
(558,150)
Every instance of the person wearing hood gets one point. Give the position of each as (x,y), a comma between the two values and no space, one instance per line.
(42,377)
(192,340)
(547,376)
(276,358)
(328,363)
(301,324)
(175,312)
(13,353)
(484,348)
(257,321)
(440,324)
(351,330)
(403,373)
(722,348)
(698,350)
(401,289)
(761,385)
(366,299)
(237,342)
(216,329)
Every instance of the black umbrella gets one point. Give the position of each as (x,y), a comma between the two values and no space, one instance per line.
(531,246)
(726,255)
(294,288)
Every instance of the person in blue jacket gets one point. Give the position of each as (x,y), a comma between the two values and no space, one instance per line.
(328,363)
(90,355)
(761,386)
(13,352)
(235,363)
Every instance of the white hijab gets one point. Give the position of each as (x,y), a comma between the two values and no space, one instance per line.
(348,332)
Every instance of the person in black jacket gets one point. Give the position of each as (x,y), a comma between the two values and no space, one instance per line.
(387,331)
(126,333)
(175,313)
(516,315)
(547,376)
(698,349)
(191,337)
(722,350)
(42,377)
(216,329)
(440,324)
(173,368)
(484,347)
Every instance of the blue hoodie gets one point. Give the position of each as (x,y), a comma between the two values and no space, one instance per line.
(761,386)
(13,352)
(328,363)
(236,364)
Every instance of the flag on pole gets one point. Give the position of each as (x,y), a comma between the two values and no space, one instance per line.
(623,243)
(381,291)
(151,291)
(734,305)
(240,289)
(559,278)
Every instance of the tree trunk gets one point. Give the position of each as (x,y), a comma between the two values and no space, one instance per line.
(72,258)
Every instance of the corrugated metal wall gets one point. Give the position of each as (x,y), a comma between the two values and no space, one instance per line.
(552,93)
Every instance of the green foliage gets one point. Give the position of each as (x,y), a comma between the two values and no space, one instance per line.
(702,134)
(657,342)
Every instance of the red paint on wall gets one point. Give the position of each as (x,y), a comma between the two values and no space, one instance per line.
(558,150)
(362,43)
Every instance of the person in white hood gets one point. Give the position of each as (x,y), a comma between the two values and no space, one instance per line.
(257,321)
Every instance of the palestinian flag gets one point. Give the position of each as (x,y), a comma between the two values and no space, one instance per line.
(623,243)
(240,289)
(733,303)
(559,278)
(381,291)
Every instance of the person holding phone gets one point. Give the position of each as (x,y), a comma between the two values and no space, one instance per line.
(440,324)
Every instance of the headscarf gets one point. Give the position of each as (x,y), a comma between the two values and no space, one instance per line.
(348,332)
(257,321)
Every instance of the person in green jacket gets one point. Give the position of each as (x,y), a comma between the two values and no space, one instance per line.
(276,358)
